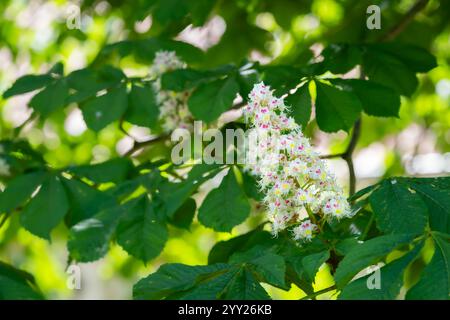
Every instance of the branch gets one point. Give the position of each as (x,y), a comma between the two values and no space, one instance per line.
(404,21)
(317,293)
(141,144)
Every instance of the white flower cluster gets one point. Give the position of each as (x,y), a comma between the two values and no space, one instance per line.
(295,181)
(174,112)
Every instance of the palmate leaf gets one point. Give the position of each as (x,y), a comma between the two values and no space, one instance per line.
(212,99)
(236,280)
(17,284)
(300,105)
(174,195)
(103,110)
(391,280)
(225,206)
(434,283)
(46,209)
(397,209)
(142,107)
(28,83)
(376,99)
(114,170)
(140,232)
(19,190)
(89,239)
(335,109)
(367,254)
(51,98)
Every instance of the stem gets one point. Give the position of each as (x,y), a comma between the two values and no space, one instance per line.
(406,19)
(141,144)
(317,293)
(368,226)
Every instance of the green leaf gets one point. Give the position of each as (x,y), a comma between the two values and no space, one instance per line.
(51,98)
(27,83)
(171,278)
(267,266)
(281,78)
(84,201)
(89,239)
(223,250)
(434,283)
(311,263)
(212,99)
(250,186)
(142,107)
(185,79)
(236,283)
(101,111)
(174,195)
(376,99)
(397,208)
(415,58)
(391,280)
(140,232)
(335,109)
(183,217)
(389,71)
(47,209)
(341,58)
(366,254)
(437,199)
(17,284)
(301,105)
(19,190)
(225,206)
(115,170)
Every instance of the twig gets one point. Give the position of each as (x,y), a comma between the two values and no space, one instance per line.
(406,19)
(317,293)
(141,144)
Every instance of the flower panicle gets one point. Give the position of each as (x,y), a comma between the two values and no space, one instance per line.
(290,173)
(173,112)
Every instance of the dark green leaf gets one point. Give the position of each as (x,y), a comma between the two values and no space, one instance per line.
(389,71)
(140,232)
(27,83)
(115,170)
(312,263)
(335,109)
(300,105)
(225,206)
(47,209)
(89,239)
(51,98)
(434,283)
(19,190)
(101,111)
(17,284)
(397,208)
(366,254)
(212,99)
(376,99)
(142,107)
(84,201)
(341,58)
(390,281)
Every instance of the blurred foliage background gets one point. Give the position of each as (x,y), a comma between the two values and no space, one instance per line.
(36,34)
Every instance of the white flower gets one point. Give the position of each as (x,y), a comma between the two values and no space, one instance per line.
(4,168)
(304,231)
(174,112)
(289,171)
